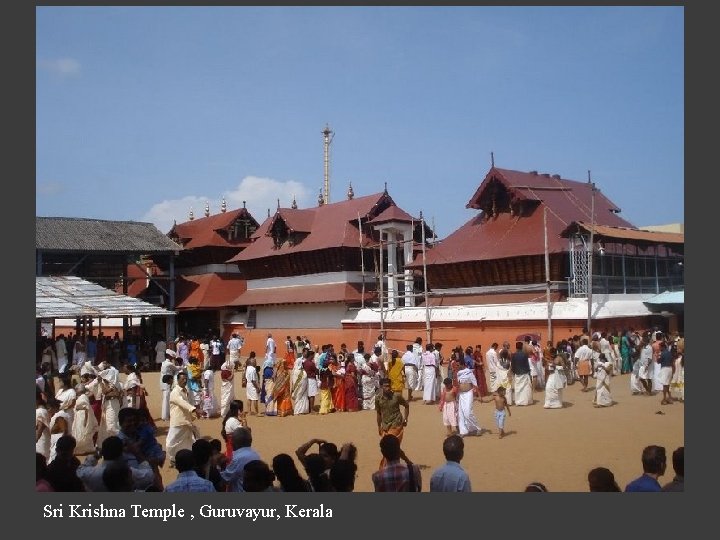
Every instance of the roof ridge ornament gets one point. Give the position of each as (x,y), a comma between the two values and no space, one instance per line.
(191,216)
(207,209)
(223,206)
(350,192)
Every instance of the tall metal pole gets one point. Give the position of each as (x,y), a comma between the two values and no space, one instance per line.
(382,288)
(547,277)
(362,262)
(590,255)
(328,135)
(428,331)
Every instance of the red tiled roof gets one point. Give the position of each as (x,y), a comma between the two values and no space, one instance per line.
(303,294)
(486,237)
(332,225)
(627,234)
(208,291)
(202,232)
(394,213)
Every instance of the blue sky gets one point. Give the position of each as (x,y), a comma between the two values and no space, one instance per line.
(146,112)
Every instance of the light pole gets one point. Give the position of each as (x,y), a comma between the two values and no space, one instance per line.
(590,255)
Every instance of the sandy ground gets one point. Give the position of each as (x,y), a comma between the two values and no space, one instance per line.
(556,447)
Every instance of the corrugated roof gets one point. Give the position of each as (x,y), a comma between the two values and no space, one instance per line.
(571,309)
(202,232)
(208,291)
(70,296)
(500,236)
(303,294)
(333,225)
(668,297)
(627,234)
(83,234)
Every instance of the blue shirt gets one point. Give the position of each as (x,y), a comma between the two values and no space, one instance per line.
(451,477)
(644,483)
(233,473)
(189,481)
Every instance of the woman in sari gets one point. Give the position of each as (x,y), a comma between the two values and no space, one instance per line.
(196,351)
(234,419)
(677,382)
(194,383)
(227,385)
(626,346)
(326,382)
(85,424)
(396,372)
(370,381)
(351,383)
(66,396)
(282,388)
(556,381)
(338,389)
(603,372)
(211,405)
(268,386)
(299,388)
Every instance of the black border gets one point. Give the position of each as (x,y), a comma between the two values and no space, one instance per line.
(557,515)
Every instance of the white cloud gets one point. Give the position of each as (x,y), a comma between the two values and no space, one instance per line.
(61,66)
(259,194)
(49,188)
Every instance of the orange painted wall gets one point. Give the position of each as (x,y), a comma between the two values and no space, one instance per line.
(450,334)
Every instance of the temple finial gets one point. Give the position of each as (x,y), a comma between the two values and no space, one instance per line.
(223,206)
(191,216)
(294,203)
(321,199)
(207,209)
(350,192)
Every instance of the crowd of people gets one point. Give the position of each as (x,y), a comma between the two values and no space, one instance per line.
(93,414)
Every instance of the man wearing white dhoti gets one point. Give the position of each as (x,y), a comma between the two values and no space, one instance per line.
(417,351)
(491,360)
(168,369)
(431,372)
(411,367)
(182,432)
(467,390)
(234,346)
(646,360)
(522,383)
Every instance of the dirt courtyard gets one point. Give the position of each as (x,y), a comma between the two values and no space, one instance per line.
(554,446)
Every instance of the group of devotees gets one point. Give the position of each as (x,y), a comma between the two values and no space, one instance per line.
(91,404)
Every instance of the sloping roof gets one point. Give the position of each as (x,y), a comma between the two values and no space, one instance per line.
(208,291)
(394,213)
(70,296)
(332,225)
(83,234)
(489,237)
(203,232)
(303,294)
(624,233)
(668,297)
